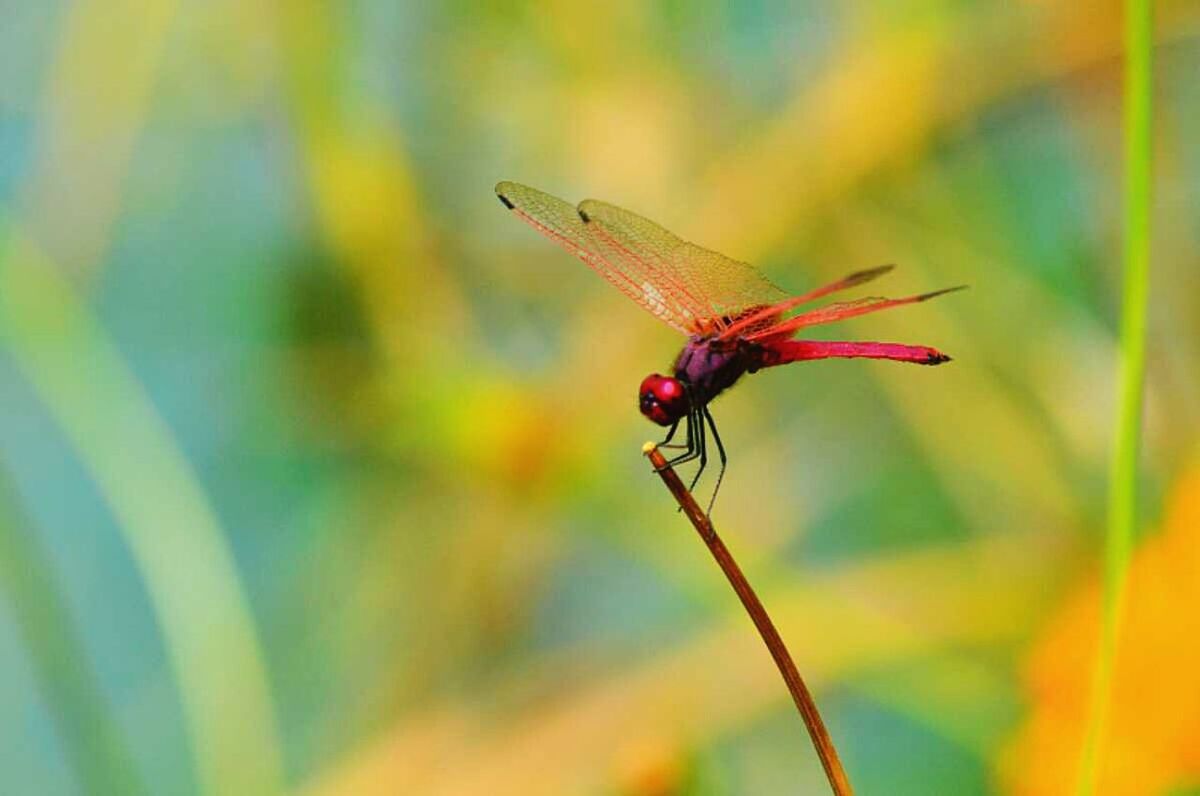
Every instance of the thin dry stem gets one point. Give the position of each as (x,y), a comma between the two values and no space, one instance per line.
(838,782)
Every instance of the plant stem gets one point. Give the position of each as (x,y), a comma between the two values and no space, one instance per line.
(838,782)
(1122,497)
(89,729)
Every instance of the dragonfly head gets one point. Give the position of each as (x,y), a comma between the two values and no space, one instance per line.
(663,399)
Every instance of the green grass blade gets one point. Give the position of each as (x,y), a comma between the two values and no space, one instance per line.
(165,519)
(88,729)
(1122,501)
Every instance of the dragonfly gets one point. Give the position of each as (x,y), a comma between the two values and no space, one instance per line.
(735,319)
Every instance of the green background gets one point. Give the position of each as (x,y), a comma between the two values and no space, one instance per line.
(320,473)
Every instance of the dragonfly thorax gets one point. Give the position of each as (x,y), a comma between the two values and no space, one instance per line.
(704,369)
(709,366)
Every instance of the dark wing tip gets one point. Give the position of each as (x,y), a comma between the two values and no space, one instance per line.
(858,277)
(942,292)
(501,188)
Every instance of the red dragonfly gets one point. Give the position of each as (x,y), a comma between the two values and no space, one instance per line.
(735,319)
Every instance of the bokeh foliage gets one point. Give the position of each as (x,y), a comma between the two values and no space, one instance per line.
(320,473)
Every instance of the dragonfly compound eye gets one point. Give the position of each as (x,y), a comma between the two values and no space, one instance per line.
(662,399)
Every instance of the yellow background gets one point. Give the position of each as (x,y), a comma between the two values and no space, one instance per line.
(320,473)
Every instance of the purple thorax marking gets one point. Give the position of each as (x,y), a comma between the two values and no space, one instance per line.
(710,369)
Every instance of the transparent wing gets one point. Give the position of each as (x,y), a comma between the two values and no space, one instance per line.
(841,310)
(764,318)
(689,288)
(720,287)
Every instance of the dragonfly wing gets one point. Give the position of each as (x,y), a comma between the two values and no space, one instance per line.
(714,287)
(763,319)
(841,310)
(655,290)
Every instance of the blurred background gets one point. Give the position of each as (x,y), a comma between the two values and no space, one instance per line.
(320,473)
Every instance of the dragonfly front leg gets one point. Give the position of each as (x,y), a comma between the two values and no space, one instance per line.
(667,439)
(691,451)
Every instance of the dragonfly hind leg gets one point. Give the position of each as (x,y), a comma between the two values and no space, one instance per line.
(720,453)
(703,448)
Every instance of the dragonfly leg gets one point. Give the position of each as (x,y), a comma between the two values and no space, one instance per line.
(670,434)
(695,432)
(691,452)
(720,452)
(702,445)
